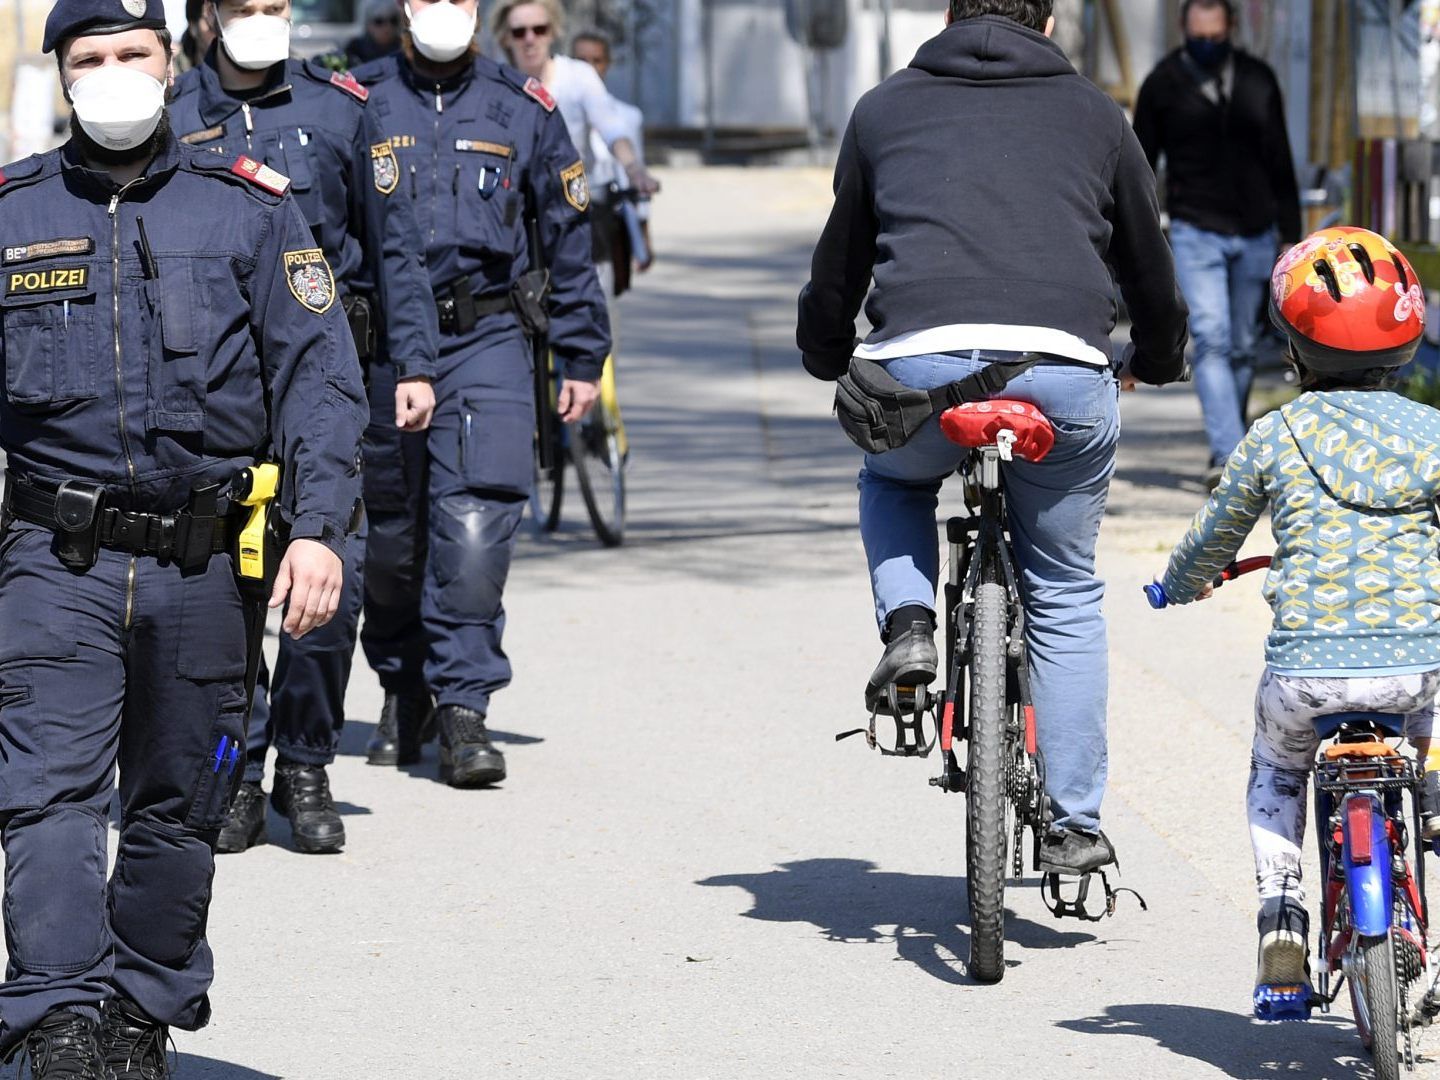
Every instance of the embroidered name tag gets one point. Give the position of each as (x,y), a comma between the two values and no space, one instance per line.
(477,146)
(26,282)
(77,245)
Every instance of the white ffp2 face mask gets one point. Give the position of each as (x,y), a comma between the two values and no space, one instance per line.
(117,106)
(442,32)
(256,41)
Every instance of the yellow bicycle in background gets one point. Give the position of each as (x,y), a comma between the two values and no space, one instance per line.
(596,446)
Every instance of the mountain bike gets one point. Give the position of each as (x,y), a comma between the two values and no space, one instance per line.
(1374,912)
(597,448)
(986,702)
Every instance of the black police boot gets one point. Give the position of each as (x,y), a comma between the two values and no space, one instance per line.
(467,757)
(302,793)
(133,1045)
(65,1046)
(407,723)
(1075,853)
(245,823)
(910,658)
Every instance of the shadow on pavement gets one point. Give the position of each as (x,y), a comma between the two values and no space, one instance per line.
(849,900)
(1326,1048)
(194,1067)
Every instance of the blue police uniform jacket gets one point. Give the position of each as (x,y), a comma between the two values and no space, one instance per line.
(153,359)
(472,152)
(312,125)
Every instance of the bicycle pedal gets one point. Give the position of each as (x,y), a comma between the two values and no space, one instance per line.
(1074,907)
(1281,1004)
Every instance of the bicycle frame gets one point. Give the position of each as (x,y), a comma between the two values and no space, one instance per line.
(978,542)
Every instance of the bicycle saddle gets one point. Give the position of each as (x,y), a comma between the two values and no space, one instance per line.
(979,423)
(1329,726)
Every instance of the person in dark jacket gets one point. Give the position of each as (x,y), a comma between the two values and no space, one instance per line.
(1216,115)
(381,36)
(948,198)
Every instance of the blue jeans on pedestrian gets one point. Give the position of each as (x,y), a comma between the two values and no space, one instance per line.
(1224,280)
(1055,508)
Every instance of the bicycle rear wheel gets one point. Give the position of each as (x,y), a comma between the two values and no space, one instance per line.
(600,467)
(986,835)
(1377,1011)
(548,493)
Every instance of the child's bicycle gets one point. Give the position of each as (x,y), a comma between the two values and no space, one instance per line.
(1374,912)
(986,701)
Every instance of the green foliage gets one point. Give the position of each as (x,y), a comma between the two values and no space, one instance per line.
(1422,386)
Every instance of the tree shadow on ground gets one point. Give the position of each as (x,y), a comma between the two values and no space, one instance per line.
(1326,1048)
(194,1067)
(850,900)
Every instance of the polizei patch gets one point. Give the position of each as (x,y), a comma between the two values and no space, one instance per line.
(78,245)
(310,280)
(28,282)
(576,186)
(385,166)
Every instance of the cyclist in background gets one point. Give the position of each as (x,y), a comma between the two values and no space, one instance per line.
(1350,473)
(982,249)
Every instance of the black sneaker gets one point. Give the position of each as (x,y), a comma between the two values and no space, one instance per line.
(1073,853)
(407,723)
(245,823)
(65,1046)
(302,793)
(467,757)
(910,659)
(133,1045)
(1282,970)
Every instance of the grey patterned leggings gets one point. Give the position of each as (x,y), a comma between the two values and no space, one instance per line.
(1284,753)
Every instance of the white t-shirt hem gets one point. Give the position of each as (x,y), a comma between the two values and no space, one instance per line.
(987,337)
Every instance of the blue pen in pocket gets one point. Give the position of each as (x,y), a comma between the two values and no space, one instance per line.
(220,752)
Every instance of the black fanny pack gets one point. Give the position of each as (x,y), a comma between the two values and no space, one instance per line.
(880,413)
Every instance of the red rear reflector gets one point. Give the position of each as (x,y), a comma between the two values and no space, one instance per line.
(1358,815)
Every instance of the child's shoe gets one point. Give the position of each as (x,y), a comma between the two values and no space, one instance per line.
(1282,980)
(1430,806)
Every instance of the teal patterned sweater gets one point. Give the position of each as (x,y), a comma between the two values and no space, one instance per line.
(1351,479)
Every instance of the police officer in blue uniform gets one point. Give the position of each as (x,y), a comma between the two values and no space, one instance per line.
(312,125)
(479,148)
(164,316)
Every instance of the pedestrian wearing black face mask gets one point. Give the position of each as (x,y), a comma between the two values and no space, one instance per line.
(1216,115)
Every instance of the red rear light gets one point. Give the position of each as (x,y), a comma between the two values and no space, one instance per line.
(1358,814)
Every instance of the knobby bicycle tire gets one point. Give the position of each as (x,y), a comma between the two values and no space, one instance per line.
(600,469)
(986,795)
(1377,962)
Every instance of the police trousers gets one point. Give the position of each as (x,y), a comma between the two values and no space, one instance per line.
(301,710)
(131,664)
(444,507)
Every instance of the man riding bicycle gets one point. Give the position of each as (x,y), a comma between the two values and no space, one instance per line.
(990,191)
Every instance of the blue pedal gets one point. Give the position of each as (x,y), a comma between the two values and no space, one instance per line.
(1280,1003)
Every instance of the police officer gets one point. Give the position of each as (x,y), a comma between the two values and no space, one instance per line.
(164,314)
(478,148)
(312,125)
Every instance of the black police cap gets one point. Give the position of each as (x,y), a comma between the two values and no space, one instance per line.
(73,18)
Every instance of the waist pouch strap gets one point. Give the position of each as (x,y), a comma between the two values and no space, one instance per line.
(880,413)
(75,511)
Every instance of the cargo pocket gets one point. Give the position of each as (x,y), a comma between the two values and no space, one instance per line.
(210,644)
(223,766)
(50,336)
(176,398)
(497,445)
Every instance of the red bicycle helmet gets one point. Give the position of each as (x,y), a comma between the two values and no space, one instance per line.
(1348,302)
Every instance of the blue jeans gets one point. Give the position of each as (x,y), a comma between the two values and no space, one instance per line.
(1055,510)
(1224,280)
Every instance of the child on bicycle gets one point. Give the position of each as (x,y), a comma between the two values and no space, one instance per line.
(1351,473)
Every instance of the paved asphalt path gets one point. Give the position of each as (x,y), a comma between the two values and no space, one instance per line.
(685,876)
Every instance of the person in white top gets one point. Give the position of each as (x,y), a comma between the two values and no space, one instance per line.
(593,48)
(527,30)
